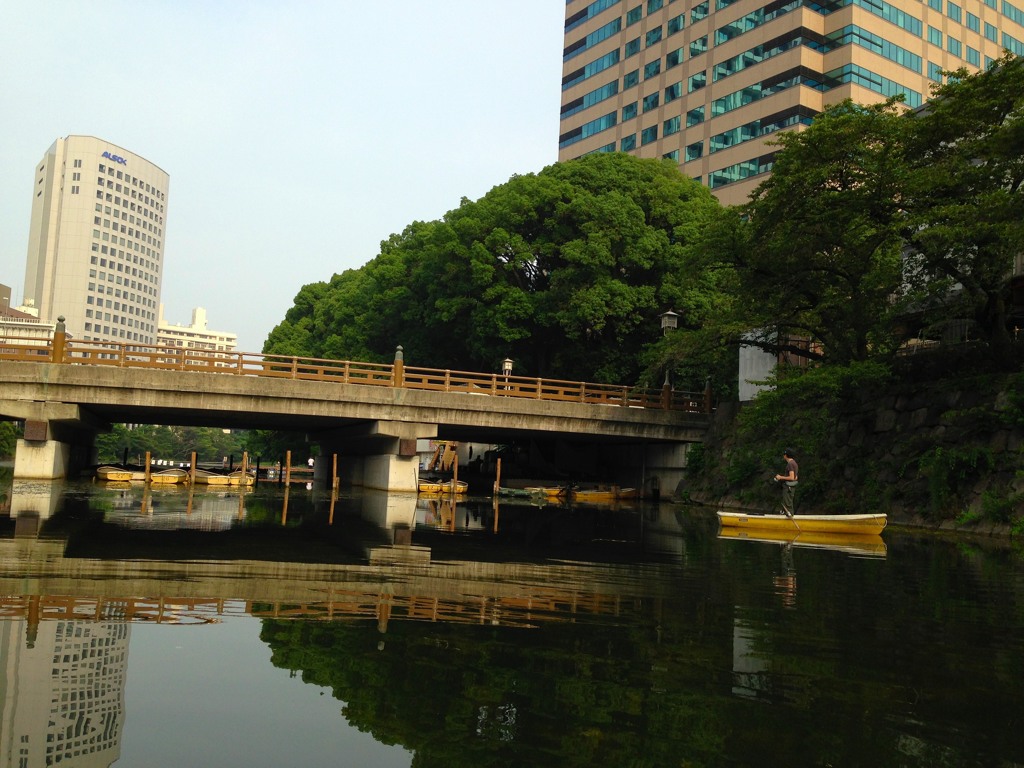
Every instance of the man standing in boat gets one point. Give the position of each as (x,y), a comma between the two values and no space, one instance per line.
(789,481)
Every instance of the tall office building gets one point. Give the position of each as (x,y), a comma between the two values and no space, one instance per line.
(707,82)
(96,243)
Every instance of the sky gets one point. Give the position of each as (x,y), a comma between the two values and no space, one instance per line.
(297,135)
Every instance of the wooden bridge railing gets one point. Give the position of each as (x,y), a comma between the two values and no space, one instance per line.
(160,357)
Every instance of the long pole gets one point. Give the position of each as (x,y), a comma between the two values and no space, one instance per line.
(287,471)
(148,469)
(334,475)
(497,477)
(192,470)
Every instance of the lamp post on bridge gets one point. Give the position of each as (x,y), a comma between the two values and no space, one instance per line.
(669,322)
(506,369)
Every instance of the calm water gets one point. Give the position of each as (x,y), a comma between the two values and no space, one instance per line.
(169,629)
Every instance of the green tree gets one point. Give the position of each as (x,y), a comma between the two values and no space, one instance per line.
(564,271)
(966,197)
(9,433)
(822,261)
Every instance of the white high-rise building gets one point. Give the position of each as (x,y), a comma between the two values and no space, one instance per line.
(96,244)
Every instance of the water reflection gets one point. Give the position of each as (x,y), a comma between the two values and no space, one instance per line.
(475,633)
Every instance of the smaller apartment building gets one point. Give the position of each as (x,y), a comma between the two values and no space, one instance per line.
(196,335)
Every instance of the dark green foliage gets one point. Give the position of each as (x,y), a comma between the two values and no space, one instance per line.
(171,443)
(564,271)
(10,431)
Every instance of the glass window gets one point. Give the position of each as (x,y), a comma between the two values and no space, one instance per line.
(652,37)
(953,11)
(674,58)
(676,23)
(630,79)
(934,36)
(694,117)
(694,151)
(649,135)
(651,102)
(973,56)
(700,11)
(953,46)
(934,72)
(652,69)
(634,15)
(671,126)
(697,81)
(973,22)
(629,112)
(633,47)
(654,5)
(991,33)
(698,46)
(628,143)
(673,92)
(935,5)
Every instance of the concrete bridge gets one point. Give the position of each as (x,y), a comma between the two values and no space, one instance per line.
(371,414)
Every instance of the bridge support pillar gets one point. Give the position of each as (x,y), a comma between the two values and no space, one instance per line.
(58,439)
(387,459)
(42,460)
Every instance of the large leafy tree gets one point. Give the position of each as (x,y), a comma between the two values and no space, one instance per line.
(820,265)
(966,193)
(564,271)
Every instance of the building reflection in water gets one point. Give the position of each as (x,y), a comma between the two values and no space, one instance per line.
(63,692)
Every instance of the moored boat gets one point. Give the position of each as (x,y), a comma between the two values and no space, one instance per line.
(869,524)
(205,477)
(443,487)
(603,495)
(238,478)
(109,473)
(552,492)
(169,476)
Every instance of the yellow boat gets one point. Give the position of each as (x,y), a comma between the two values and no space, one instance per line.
(548,491)
(603,495)
(113,474)
(443,487)
(869,545)
(205,477)
(870,524)
(170,476)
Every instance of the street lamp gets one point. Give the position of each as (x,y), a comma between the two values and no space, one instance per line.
(669,322)
(506,369)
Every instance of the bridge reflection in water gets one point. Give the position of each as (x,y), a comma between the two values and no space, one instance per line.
(139,558)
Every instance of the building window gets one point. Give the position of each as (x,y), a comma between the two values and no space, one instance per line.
(973,22)
(701,11)
(973,57)
(697,81)
(654,5)
(633,47)
(634,15)
(934,37)
(651,102)
(695,117)
(649,135)
(628,143)
(676,23)
(954,47)
(953,11)
(671,126)
(991,33)
(673,92)
(629,112)
(653,69)
(934,72)
(694,151)
(652,37)
(698,46)
(630,79)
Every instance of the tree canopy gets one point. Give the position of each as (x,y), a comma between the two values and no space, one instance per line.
(565,271)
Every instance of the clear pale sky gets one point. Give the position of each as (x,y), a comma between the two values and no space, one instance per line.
(297,135)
